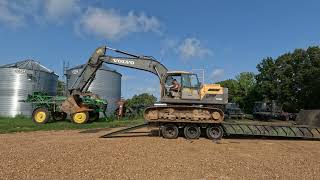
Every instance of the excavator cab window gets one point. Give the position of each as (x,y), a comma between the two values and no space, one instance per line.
(173,86)
(190,87)
(190,81)
(171,78)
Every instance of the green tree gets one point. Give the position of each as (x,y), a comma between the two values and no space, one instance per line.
(246,81)
(144,99)
(293,79)
(242,90)
(265,79)
(246,90)
(233,88)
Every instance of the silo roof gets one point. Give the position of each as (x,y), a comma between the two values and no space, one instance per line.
(103,67)
(28,64)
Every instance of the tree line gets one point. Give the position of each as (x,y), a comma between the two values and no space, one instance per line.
(292,79)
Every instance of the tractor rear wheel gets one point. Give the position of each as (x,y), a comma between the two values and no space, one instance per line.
(192,131)
(59,116)
(40,115)
(80,117)
(94,116)
(214,132)
(169,131)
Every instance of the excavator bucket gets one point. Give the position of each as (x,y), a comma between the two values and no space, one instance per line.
(73,105)
(309,117)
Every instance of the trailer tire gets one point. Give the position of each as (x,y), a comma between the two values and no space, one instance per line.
(286,118)
(214,132)
(59,116)
(170,131)
(40,115)
(80,117)
(192,131)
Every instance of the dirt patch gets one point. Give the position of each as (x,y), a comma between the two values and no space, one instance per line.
(75,155)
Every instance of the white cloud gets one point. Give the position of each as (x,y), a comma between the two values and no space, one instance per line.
(57,9)
(151,90)
(167,45)
(191,48)
(18,13)
(10,19)
(148,90)
(108,23)
(9,16)
(217,74)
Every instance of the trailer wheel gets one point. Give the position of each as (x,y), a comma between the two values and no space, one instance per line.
(59,116)
(214,132)
(80,117)
(192,131)
(40,115)
(170,131)
(285,117)
(94,116)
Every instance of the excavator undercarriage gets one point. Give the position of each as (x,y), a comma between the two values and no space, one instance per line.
(184,114)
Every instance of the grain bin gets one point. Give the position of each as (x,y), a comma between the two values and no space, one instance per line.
(107,84)
(20,79)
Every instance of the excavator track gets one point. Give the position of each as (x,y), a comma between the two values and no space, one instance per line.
(176,113)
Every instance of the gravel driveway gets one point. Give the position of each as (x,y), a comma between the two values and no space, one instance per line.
(82,155)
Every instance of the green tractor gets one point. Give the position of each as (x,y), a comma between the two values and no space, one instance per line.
(47,107)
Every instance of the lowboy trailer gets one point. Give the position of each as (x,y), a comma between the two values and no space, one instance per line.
(248,128)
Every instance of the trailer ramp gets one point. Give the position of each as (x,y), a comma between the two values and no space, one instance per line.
(111,134)
(272,130)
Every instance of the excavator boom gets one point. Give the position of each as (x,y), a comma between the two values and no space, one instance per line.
(145,63)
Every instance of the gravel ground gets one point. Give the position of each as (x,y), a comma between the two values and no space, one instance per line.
(75,155)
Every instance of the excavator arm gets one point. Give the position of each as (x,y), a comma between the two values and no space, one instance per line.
(145,63)
(87,75)
(81,84)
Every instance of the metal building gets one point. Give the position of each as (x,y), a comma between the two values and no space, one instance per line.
(20,79)
(107,84)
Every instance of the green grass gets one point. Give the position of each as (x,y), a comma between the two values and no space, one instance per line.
(23,124)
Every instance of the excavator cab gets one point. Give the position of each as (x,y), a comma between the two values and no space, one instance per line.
(189,85)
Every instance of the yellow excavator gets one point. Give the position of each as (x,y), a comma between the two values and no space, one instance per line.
(192,106)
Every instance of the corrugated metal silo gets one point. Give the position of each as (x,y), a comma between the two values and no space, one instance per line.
(107,84)
(20,79)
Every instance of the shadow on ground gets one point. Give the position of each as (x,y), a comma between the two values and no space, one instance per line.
(95,130)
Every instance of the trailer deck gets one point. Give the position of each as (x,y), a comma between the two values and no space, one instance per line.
(287,129)
(283,129)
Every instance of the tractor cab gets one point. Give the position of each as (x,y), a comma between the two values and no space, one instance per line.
(182,85)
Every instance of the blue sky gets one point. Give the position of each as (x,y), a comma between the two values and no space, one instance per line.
(223,37)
